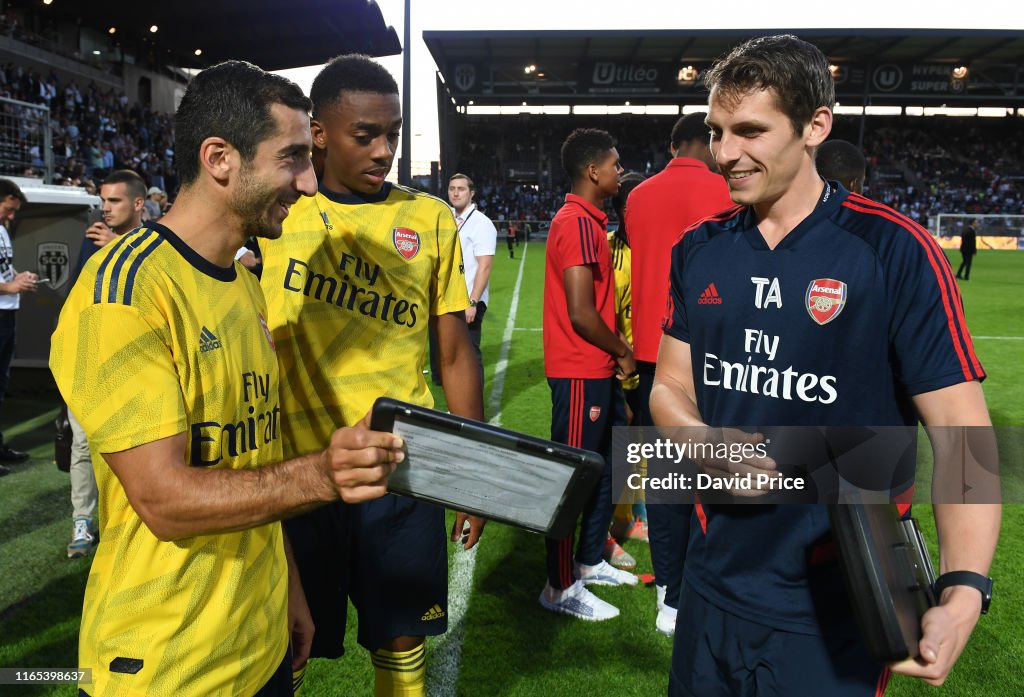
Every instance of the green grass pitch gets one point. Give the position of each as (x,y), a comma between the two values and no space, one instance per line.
(512,647)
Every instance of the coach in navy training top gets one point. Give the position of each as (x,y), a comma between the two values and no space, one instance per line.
(806,305)
(765,356)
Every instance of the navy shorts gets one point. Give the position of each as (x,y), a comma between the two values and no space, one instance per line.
(388,555)
(719,654)
(280,683)
(583,413)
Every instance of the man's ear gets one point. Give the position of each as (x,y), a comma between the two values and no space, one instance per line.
(218,158)
(319,134)
(819,127)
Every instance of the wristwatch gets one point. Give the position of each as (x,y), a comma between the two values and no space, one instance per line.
(472,303)
(966,578)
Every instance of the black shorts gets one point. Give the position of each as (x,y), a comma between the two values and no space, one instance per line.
(388,555)
(719,654)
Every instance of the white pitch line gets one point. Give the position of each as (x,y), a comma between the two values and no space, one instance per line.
(446,651)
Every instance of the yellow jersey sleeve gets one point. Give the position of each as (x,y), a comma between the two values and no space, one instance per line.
(122,387)
(623,296)
(451,294)
(623,292)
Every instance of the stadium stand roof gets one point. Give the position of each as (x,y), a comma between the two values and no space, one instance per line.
(273,34)
(662,66)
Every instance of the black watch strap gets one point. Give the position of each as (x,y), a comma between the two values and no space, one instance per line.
(966,578)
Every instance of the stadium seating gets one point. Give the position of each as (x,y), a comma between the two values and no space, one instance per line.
(920,166)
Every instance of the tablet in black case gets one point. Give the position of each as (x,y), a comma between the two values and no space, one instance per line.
(888,573)
(469,466)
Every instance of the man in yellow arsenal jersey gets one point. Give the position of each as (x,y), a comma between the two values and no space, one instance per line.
(163,352)
(365,267)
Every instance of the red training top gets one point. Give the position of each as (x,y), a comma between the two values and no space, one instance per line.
(656,212)
(578,236)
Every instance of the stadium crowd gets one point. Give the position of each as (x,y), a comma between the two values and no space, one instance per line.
(920,167)
(94,131)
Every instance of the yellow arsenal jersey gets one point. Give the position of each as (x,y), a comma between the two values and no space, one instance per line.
(351,286)
(623,296)
(155,341)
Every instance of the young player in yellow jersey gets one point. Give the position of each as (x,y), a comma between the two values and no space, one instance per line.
(163,353)
(624,525)
(364,268)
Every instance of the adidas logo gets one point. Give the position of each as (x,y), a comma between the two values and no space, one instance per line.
(207,341)
(434,613)
(710,296)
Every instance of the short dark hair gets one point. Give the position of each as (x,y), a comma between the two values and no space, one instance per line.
(840,160)
(460,175)
(627,182)
(349,73)
(132,181)
(795,70)
(231,100)
(690,127)
(584,147)
(9,188)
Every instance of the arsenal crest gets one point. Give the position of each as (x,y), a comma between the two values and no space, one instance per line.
(595,413)
(407,241)
(266,332)
(53,263)
(825,299)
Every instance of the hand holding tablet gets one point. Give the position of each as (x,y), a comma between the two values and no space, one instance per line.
(486,471)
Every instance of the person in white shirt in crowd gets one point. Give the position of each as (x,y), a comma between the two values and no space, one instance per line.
(12,285)
(478,237)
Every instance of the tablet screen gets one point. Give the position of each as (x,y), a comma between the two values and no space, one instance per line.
(498,481)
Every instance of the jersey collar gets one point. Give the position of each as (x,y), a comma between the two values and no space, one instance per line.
(586,205)
(355,199)
(220,273)
(686,162)
(832,196)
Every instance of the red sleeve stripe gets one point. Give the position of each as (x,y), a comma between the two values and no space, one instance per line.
(954,315)
(592,240)
(719,217)
(670,309)
(927,235)
(588,245)
(954,311)
(936,252)
(583,239)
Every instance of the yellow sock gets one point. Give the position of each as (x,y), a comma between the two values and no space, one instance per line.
(297,677)
(400,673)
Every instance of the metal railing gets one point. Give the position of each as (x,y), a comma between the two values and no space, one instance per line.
(26,140)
